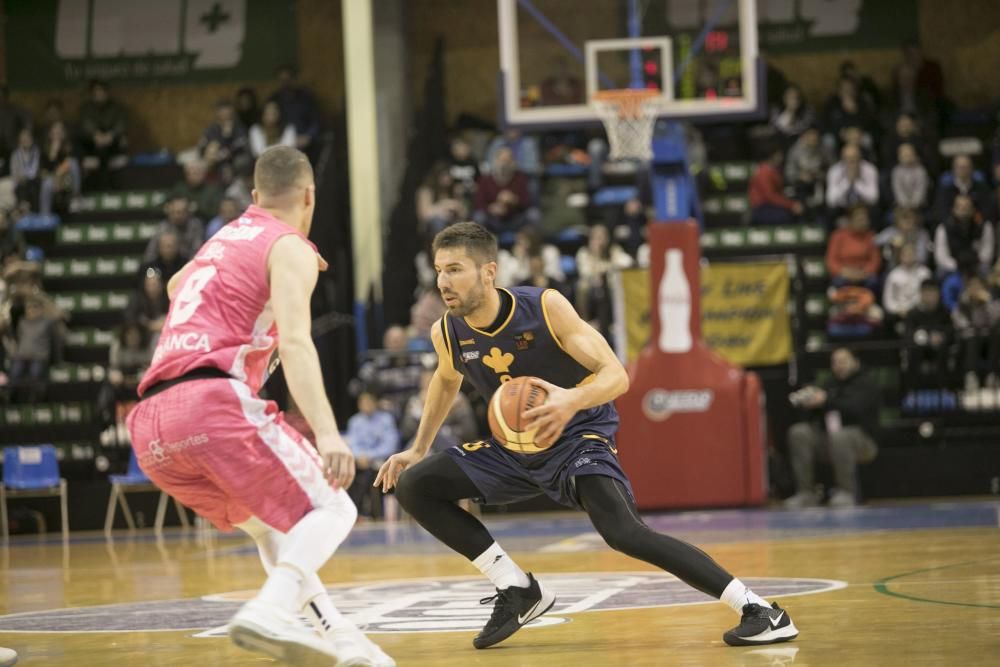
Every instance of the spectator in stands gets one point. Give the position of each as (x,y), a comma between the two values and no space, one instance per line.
(902,286)
(918,85)
(38,340)
(242,186)
(523,148)
(768,203)
(60,171)
(963,231)
(977,325)
(910,183)
(852,135)
(229,210)
(11,240)
(128,358)
(203,196)
(927,332)
(373,437)
(907,131)
(593,262)
(793,117)
(189,229)
(846,109)
(225,141)
(246,107)
(561,87)
(459,426)
(954,283)
(513,266)
(13,119)
(148,306)
(392,373)
(463,168)
(992,209)
(865,85)
(961,180)
(906,229)
(842,431)
(805,168)
(168,259)
(272,130)
(851,255)
(25,170)
(539,277)
(440,201)
(852,181)
(503,201)
(102,133)
(298,108)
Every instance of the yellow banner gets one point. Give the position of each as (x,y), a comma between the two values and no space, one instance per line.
(744,312)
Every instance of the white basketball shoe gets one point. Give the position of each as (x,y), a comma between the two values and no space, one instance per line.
(268,629)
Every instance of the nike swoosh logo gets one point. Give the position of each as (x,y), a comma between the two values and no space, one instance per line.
(521,619)
(775,621)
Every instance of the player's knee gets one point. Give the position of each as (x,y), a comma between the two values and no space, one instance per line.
(408,490)
(621,537)
(800,435)
(340,505)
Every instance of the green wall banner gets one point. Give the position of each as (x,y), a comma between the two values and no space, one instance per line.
(61,43)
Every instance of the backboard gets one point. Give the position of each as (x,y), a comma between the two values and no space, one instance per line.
(701,55)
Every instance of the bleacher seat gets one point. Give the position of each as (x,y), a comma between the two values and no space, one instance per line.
(32,472)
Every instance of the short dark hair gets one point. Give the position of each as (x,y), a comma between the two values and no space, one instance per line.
(279,169)
(473,237)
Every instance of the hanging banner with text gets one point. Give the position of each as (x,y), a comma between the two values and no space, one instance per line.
(744,312)
(63,43)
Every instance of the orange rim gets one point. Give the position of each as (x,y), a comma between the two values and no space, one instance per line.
(629,100)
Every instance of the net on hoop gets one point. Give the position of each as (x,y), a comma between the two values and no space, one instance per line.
(629,115)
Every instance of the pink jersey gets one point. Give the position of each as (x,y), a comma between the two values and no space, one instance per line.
(220,317)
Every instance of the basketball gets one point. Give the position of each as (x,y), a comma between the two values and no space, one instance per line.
(506,415)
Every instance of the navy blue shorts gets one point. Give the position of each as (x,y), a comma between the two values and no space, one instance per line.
(503,476)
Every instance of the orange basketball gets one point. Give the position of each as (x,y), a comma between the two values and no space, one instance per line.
(506,411)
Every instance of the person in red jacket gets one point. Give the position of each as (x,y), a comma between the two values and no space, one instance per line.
(852,258)
(768,203)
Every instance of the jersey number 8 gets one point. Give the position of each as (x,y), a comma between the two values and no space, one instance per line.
(189,298)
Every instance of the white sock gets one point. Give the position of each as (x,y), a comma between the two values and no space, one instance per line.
(737,594)
(283,588)
(320,610)
(501,568)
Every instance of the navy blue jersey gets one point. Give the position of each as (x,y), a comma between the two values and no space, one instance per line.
(524,345)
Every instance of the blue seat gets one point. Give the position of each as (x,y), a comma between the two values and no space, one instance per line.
(135,480)
(614,195)
(32,472)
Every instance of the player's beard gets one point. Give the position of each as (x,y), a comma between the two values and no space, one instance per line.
(471,302)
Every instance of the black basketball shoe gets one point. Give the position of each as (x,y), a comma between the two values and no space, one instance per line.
(762,625)
(514,607)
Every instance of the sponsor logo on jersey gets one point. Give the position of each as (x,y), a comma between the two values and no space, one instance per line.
(659,404)
(237,233)
(405,605)
(159,452)
(523,340)
(467,341)
(189,342)
(470,356)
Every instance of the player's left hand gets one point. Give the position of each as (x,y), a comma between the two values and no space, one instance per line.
(551,417)
(323,264)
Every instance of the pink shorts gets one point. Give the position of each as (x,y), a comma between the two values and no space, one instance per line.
(228,454)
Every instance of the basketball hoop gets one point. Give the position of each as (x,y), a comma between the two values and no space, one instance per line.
(629,115)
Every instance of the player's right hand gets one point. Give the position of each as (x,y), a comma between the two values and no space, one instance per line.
(393,467)
(338,461)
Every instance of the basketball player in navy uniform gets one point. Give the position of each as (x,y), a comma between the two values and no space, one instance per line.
(491,335)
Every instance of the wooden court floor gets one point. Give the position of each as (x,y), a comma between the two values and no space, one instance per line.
(907,584)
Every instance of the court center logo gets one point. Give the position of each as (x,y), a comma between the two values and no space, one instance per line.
(414,605)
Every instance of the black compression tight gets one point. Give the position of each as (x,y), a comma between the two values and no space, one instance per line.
(615,517)
(430,489)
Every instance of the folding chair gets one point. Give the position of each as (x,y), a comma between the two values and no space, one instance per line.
(32,472)
(135,480)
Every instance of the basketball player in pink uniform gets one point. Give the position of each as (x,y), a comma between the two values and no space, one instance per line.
(202,434)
